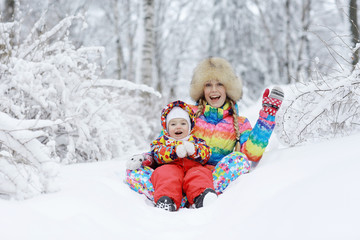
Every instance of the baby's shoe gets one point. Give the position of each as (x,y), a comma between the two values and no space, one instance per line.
(166,203)
(206,198)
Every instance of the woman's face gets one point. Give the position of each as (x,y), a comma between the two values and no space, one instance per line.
(215,93)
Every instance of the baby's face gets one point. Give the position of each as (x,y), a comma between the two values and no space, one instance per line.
(178,128)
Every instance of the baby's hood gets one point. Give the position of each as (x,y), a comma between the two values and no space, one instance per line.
(182,105)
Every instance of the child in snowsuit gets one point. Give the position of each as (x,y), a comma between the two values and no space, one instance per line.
(181,157)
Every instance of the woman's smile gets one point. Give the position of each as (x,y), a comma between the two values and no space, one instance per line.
(215,93)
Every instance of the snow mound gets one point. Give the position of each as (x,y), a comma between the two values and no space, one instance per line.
(307,192)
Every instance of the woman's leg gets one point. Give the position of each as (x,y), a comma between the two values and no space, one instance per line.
(228,169)
(139,181)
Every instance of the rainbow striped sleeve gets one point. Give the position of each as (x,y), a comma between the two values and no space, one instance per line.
(255,141)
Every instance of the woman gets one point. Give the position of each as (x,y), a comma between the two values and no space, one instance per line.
(234,144)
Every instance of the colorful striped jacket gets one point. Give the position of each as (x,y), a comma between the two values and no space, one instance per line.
(215,126)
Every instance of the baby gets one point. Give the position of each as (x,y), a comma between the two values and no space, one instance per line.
(181,158)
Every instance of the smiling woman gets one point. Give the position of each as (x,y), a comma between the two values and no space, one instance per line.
(215,93)
(214,85)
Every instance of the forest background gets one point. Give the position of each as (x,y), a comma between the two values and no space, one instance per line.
(85,81)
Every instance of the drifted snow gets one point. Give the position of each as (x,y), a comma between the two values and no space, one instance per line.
(307,192)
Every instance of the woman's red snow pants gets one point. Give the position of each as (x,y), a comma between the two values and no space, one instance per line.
(184,175)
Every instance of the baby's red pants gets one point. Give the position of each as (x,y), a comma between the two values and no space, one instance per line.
(183,175)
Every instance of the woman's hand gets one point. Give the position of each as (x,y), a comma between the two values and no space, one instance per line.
(271,103)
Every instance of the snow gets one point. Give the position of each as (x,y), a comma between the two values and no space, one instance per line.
(307,192)
(123,84)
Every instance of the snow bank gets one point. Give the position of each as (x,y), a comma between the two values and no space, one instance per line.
(307,192)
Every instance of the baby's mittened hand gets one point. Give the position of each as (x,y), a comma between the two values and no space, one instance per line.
(271,103)
(135,162)
(190,147)
(181,151)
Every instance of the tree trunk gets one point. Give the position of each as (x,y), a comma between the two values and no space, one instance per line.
(8,13)
(119,49)
(279,59)
(354,29)
(9,16)
(304,40)
(288,40)
(130,38)
(148,45)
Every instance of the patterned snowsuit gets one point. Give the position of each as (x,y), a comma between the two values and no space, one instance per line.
(177,175)
(215,126)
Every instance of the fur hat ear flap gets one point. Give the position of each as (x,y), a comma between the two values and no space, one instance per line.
(215,68)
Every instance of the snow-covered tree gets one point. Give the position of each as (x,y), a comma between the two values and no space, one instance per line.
(55,108)
(326,108)
(328,105)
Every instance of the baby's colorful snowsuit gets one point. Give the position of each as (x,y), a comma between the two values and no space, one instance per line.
(177,175)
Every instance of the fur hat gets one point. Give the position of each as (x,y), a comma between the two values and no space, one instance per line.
(215,68)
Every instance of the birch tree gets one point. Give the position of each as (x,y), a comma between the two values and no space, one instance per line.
(354,30)
(8,11)
(148,44)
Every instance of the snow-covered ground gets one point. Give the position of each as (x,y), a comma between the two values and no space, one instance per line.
(307,192)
